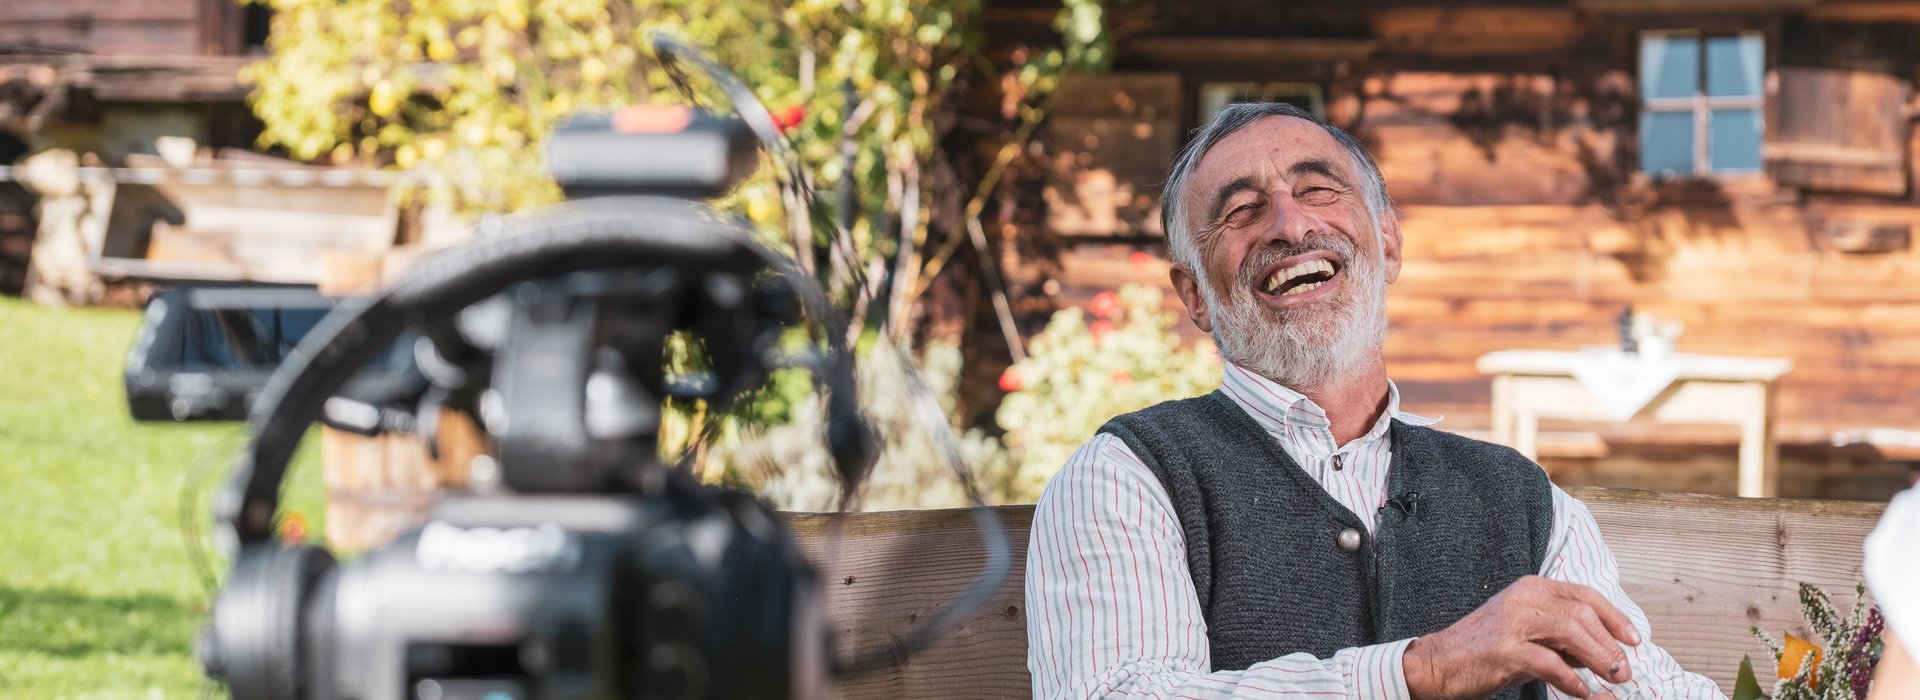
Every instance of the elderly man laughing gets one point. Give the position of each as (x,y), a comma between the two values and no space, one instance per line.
(1295,534)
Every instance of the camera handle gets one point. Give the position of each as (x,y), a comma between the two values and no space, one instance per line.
(596,234)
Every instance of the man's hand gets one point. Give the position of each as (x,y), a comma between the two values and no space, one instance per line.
(1536,628)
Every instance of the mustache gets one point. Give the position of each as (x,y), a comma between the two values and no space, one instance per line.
(1254,267)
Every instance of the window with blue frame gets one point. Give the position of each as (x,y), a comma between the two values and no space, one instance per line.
(1701,103)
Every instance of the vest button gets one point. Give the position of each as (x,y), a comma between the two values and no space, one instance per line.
(1350,540)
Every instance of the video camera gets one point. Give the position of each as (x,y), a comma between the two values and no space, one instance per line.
(579,565)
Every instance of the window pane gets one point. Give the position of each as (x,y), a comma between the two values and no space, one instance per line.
(1666,142)
(1733,139)
(1669,66)
(1733,66)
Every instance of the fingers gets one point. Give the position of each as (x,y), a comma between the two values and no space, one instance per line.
(1616,622)
(1546,665)
(1595,649)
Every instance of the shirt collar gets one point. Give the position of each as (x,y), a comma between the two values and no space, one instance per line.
(1275,406)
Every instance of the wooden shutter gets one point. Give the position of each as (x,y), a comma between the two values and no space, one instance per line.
(1839,131)
(1109,143)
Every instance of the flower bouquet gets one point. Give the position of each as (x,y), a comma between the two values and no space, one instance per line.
(1843,671)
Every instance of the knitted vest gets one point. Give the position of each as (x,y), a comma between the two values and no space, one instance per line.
(1465,519)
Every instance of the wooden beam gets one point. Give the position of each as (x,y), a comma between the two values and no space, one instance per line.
(1662,7)
(1865,11)
(1703,568)
(146,77)
(1215,51)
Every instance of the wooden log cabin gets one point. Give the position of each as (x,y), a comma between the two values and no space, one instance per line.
(108,78)
(1744,168)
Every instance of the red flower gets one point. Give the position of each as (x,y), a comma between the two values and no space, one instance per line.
(1010,380)
(1105,304)
(1120,376)
(789,117)
(1100,329)
(293,528)
(1139,258)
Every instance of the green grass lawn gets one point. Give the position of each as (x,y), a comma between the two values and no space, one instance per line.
(98,595)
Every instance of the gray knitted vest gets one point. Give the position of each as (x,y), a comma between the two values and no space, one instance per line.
(1465,519)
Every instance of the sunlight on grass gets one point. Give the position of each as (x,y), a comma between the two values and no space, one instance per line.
(98,595)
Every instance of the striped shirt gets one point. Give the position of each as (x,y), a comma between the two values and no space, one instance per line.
(1112,610)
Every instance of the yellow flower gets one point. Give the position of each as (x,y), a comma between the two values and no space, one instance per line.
(1792,653)
(384,100)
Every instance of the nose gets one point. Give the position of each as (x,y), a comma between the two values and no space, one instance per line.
(1291,221)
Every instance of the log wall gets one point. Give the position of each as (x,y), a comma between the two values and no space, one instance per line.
(1508,137)
(104,26)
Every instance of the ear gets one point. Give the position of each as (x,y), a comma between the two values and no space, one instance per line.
(1188,287)
(1390,244)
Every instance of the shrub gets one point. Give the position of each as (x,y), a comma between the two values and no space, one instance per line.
(1084,371)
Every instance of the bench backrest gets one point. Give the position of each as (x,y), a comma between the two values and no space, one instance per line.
(1704,568)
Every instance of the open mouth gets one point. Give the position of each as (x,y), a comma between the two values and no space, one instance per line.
(1301,277)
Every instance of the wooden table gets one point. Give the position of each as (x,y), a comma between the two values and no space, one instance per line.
(1529,385)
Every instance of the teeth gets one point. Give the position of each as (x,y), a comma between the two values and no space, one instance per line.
(1310,286)
(1306,268)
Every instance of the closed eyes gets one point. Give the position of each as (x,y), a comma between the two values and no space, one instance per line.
(1317,195)
(1241,215)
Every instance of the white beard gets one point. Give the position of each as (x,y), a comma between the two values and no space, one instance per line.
(1311,347)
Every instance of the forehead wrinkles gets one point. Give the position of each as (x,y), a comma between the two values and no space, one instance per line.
(1269,153)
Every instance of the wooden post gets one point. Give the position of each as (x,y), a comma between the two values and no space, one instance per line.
(1526,434)
(1759,452)
(1503,405)
(378,487)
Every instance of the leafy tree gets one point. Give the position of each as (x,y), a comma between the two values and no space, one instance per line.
(464,91)
(461,94)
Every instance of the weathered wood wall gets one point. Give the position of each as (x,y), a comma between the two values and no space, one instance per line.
(1704,569)
(1508,138)
(103,26)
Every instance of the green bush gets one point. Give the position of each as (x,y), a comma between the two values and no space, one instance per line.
(1082,372)
(786,464)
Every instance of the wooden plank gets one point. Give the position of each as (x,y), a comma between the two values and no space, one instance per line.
(97,11)
(884,572)
(1476,31)
(158,37)
(1093,188)
(379,486)
(1703,568)
(1215,51)
(1866,11)
(1107,146)
(1839,130)
(1685,7)
(1144,95)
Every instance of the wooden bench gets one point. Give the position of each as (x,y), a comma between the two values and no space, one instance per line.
(1704,568)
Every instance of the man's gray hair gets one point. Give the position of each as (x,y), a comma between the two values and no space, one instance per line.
(1233,118)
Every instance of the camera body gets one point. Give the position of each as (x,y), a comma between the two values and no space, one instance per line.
(694,593)
(580,565)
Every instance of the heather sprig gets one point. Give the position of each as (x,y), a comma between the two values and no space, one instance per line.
(1842,672)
